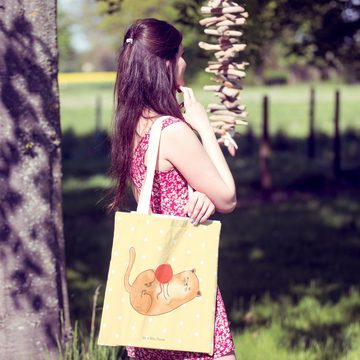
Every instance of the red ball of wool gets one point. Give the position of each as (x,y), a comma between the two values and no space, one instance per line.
(164,273)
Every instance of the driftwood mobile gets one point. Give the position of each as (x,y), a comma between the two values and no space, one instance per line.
(222,22)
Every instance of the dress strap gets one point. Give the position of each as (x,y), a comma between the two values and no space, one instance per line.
(154,141)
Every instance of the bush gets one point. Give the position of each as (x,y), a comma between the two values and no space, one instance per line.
(275,77)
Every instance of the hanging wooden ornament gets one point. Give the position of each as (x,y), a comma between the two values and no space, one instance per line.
(223,22)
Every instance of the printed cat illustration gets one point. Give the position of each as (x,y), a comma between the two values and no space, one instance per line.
(160,291)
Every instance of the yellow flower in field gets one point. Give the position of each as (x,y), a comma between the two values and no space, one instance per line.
(86,77)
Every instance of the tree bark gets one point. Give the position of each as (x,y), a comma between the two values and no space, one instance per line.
(34,310)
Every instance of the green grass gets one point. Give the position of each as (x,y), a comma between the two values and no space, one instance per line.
(288,269)
(289,107)
(96,181)
(309,329)
(78,107)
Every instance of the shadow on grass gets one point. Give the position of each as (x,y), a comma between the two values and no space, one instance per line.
(303,246)
(85,156)
(275,247)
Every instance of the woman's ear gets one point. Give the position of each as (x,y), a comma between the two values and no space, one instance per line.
(167,62)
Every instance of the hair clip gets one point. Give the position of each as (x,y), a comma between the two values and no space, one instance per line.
(129,40)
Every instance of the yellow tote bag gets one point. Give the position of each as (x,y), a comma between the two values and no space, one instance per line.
(162,280)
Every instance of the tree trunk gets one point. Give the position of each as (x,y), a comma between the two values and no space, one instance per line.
(33,293)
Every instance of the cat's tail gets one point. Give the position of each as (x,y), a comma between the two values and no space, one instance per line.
(132,255)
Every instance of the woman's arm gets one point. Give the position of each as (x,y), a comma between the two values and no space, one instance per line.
(204,167)
(212,148)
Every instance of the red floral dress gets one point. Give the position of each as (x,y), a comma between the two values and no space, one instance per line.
(169,196)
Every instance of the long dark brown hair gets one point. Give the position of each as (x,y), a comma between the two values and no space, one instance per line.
(143,82)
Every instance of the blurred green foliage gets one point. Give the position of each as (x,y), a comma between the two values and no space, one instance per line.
(66,50)
(321,33)
(276,77)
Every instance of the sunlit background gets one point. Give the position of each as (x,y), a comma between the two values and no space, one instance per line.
(289,266)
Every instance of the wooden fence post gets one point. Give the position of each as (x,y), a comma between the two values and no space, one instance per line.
(311,138)
(98,138)
(337,144)
(98,106)
(264,153)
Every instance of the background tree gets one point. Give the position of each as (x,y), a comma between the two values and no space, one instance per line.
(114,19)
(321,32)
(68,58)
(279,33)
(33,291)
(324,33)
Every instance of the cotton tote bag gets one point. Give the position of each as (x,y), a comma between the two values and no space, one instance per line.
(162,280)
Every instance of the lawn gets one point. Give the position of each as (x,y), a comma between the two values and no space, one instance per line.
(289,107)
(288,269)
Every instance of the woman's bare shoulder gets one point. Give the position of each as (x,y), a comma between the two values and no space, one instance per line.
(176,122)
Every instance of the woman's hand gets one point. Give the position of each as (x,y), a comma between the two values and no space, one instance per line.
(195,113)
(199,208)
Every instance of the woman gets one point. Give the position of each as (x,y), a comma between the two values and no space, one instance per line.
(150,71)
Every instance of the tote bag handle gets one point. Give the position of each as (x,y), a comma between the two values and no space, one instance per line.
(143,206)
